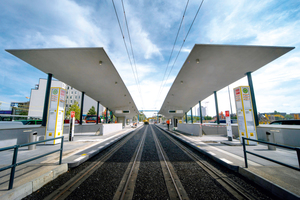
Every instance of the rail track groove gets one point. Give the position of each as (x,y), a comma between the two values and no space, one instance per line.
(66,189)
(233,188)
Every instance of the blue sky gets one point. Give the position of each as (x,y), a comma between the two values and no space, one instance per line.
(153,26)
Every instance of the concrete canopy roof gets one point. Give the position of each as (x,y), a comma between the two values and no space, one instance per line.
(219,66)
(80,68)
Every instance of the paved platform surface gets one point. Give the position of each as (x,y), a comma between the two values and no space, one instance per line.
(32,176)
(282,181)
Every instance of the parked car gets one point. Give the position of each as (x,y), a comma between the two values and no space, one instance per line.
(92,119)
(286,122)
(32,122)
(67,121)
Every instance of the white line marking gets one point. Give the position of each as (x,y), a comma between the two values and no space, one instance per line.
(80,158)
(211,153)
(92,151)
(222,151)
(100,147)
(225,160)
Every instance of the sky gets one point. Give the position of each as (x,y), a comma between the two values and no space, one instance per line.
(153,26)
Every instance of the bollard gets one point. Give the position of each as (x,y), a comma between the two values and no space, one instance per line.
(32,138)
(271,139)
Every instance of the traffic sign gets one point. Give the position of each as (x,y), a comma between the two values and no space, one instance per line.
(226,113)
(72,114)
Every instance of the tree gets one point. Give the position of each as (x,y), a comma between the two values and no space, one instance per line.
(92,111)
(142,116)
(207,117)
(75,108)
(289,117)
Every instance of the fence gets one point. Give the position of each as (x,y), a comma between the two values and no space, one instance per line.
(297,149)
(15,155)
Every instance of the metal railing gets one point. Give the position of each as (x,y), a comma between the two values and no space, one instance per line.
(15,155)
(297,149)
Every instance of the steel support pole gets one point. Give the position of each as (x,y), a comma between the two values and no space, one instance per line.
(230,101)
(186,118)
(81,109)
(200,112)
(252,98)
(217,109)
(46,101)
(106,115)
(192,120)
(97,112)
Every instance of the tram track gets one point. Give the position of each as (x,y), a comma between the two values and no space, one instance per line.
(66,189)
(174,186)
(233,188)
(126,187)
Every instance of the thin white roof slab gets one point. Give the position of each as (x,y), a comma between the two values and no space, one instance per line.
(219,66)
(79,68)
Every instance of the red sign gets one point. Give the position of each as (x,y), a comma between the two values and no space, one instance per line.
(226,113)
(237,91)
(72,114)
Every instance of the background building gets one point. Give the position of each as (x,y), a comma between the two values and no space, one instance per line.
(203,110)
(37,97)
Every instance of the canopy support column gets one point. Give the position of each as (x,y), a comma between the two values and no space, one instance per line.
(200,112)
(81,109)
(217,109)
(106,115)
(192,120)
(185,118)
(97,112)
(46,101)
(252,97)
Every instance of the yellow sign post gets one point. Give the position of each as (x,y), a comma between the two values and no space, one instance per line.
(244,111)
(55,119)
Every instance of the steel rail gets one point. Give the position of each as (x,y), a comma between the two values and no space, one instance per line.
(233,188)
(126,187)
(66,189)
(175,190)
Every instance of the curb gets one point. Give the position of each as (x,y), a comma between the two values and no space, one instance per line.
(90,155)
(35,184)
(271,187)
(225,164)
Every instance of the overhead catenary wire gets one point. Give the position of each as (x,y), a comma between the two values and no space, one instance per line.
(133,58)
(134,75)
(183,42)
(159,91)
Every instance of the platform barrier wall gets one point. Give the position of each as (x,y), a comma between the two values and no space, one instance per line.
(13,136)
(109,128)
(193,129)
(285,135)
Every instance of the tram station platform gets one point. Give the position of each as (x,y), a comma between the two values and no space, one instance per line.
(33,175)
(279,180)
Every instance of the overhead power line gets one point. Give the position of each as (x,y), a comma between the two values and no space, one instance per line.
(135,75)
(182,43)
(172,49)
(138,81)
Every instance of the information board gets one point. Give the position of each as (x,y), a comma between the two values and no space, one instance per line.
(55,119)
(228,125)
(244,111)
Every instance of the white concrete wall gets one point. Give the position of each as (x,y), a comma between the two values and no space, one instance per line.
(37,98)
(110,128)
(194,129)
